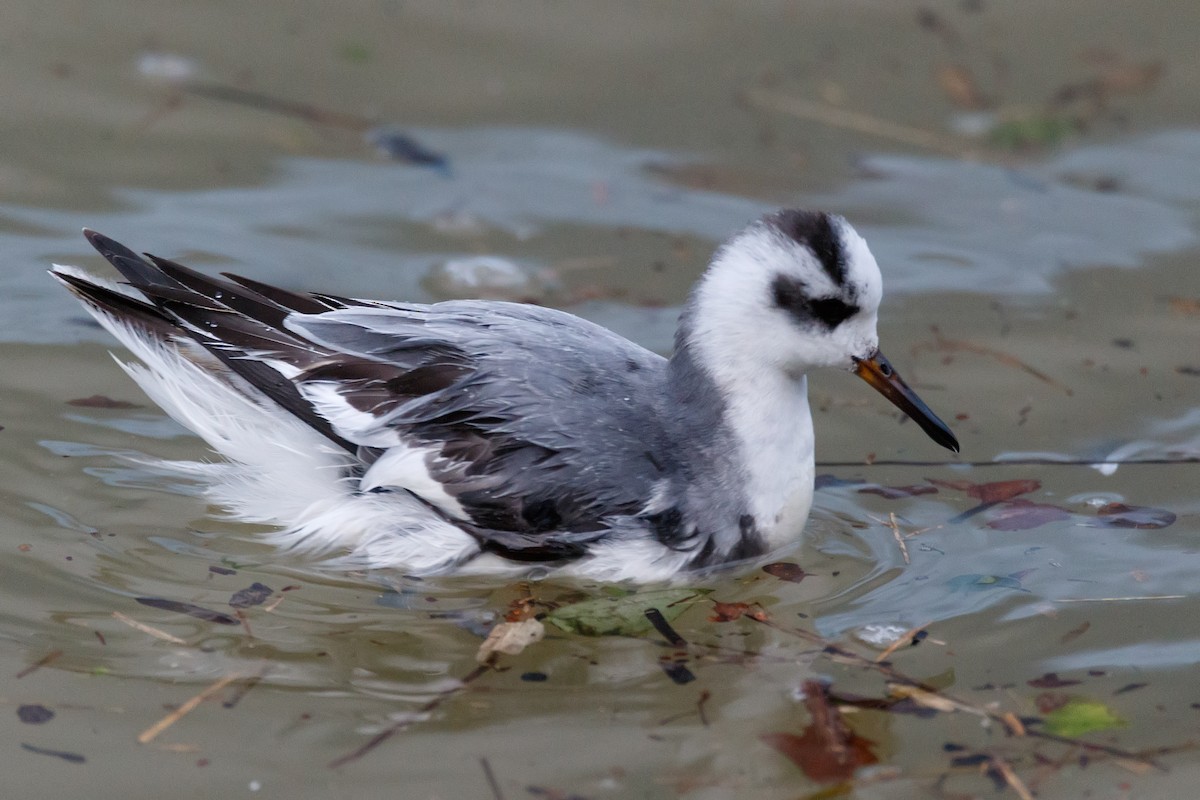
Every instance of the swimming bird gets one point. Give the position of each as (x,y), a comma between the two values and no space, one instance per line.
(485,437)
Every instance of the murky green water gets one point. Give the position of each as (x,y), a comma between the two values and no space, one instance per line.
(1047,304)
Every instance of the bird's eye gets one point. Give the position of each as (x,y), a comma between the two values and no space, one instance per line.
(831,311)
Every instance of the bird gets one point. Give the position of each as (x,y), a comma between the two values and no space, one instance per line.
(481,437)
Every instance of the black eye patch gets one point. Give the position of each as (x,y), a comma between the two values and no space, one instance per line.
(791,295)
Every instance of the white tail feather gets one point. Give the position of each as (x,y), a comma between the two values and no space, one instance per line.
(280,471)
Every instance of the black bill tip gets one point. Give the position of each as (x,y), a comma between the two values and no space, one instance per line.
(879,373)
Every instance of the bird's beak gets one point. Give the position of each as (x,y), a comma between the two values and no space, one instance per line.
(877,371)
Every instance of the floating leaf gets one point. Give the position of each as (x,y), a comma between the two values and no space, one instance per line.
(1119,515)
(786,571)
(727,612)
(510,638)
(996,492)
(828,750)
(253,595)
(1051,681)
(622,616)
(198,612)
(1080,716)
(1023,515)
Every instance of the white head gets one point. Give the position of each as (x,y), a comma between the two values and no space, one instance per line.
(792,291)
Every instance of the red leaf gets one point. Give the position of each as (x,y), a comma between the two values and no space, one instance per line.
(786,571)
(728,612)
(1022,515)
(828,750)
(1119,515)
(996,492)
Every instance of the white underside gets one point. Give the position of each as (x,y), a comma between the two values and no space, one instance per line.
(278,471)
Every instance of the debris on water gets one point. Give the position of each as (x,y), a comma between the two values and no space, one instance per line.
(990,493)
(49,658)
(102,401)
(1023,515)
(72,758)
(510,638)
(1131,687)
(1051,681)
(880,635)
(1119,515)
(144,628)
(1080,716)
(728,612)
(399,146)
(253,595)
(897,492)
(828,750)
(34,714)
(623,616)
(675,669)
(656,619)
(786,571)
(185,708)
(199,612)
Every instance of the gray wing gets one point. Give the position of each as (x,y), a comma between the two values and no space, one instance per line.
(528,425)
(532,420)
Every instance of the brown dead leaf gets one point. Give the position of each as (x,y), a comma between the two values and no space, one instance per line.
(829,750)
(728,612)
(1003,490)
(510,638)
(786,571)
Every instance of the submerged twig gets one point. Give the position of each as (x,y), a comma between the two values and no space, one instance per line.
(49,658)
(154,730)
(943,344)
(802,108)
(144,628)
(400,725)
